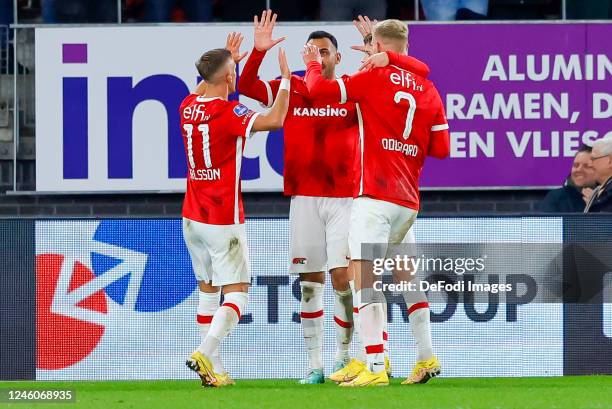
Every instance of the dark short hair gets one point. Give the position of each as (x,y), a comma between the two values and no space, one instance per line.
(323,34)
(584,148)
(211,62)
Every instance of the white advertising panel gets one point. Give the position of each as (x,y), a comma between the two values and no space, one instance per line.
(116,299)
(107,103)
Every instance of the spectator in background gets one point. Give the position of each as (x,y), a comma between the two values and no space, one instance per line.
(163,10)
(445,10)
(6,19)
(525,9)
(573,196)
(346,10)
(589,9)
(601,199)
(79,11)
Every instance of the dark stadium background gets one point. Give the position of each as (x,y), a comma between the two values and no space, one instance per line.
(23,202)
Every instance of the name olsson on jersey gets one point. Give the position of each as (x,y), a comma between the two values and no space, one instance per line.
(205,174)
(324,111)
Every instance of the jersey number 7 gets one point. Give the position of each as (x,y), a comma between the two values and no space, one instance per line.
(203,128)
(399,95)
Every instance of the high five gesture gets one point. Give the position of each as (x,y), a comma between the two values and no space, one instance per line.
(233,42)
(365,26)
(263,31)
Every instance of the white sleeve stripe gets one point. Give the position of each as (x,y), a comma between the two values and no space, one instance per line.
(342,90)
(439,127)
(247,133)
(270,97)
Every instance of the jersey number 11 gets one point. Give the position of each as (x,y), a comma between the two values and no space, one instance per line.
(203,128)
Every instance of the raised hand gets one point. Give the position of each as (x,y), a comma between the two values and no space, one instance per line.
(282,63)
(373,61)
(365,27)
(233,42)
(363,48)
(263,31)
(311,53)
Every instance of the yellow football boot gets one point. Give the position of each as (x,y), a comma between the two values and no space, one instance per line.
(367,378)
(221,380)
(200,364)
(349,372)
(388,366)
(423,371)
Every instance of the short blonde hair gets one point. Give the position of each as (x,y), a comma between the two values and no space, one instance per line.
(392,31)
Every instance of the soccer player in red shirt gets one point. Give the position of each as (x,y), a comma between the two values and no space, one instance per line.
(319,140)
(401,121)
(214,131)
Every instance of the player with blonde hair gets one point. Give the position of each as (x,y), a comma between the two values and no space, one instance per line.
(402,121)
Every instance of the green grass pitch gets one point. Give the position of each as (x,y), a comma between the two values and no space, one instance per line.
(444,393)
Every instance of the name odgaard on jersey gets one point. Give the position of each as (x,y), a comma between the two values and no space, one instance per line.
(393,145)
(205,174)
(322,111)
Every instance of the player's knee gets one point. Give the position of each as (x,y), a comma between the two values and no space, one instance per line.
(340,278)
(238,287)
(316,277)
(311,291)
(207,287)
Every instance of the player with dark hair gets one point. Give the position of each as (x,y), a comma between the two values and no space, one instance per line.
(402,121)
(320,138)
(214,131)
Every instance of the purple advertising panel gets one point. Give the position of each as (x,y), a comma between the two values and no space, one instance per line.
(520,99)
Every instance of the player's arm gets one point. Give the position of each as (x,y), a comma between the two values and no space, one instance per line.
(318,86)
(403,61)
(251,86)
(249,83)
(408,63)
(347,88)
(365,27)
(439,138)
(275,117)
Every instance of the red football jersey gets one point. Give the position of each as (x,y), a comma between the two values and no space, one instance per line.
(401,121)
(320,136)
(214,131)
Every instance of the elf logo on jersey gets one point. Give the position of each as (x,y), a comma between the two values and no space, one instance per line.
(133,265)
(299,260)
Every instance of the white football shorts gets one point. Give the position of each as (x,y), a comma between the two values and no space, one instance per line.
(381,223)
(219,253)
(319,233)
